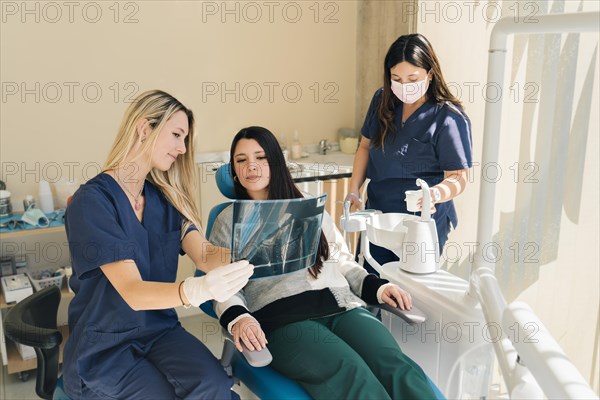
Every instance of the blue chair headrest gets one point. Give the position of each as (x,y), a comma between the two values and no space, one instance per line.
(225,181)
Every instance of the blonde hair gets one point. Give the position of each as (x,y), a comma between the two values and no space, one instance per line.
(178,183)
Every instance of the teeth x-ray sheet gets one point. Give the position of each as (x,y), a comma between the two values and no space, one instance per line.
(277,236)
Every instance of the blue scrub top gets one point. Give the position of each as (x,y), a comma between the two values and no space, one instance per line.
(434,139)
(102,228)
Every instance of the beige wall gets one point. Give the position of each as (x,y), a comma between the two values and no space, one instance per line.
(198,51)
(191,48)
(551,92)
(380,23)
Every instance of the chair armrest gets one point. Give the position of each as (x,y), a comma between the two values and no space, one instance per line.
(32,321)
(29,335)
(414,316)
(260,358)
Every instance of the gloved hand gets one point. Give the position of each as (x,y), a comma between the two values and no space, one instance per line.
(219,284)
(355,202)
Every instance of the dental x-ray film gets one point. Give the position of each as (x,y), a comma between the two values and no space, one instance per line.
(277,236)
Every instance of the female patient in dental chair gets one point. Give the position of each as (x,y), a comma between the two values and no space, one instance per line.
(314,320)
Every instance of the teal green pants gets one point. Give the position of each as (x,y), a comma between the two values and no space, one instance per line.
(350,355)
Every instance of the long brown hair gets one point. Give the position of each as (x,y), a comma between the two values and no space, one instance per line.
(178,183)
(281,185)
(417,50)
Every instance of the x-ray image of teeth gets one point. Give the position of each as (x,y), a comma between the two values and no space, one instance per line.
(277,236)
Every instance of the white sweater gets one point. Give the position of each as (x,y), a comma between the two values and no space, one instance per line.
(294,296)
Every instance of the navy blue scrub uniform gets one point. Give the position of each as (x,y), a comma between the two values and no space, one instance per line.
(114,351)
(434,139)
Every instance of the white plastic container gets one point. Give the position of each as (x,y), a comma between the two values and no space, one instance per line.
(26,352)
(40,283)
(45,196)
(412,200)
(65,188)
(349,139)
(16,288)
(5,204)
(296,147)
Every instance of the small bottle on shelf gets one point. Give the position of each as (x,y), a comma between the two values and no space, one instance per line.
(45,197)
(28,202)
(296,147)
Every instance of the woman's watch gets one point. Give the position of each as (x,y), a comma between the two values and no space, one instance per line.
(436,194)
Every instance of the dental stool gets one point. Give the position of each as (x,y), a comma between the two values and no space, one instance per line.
(32,322)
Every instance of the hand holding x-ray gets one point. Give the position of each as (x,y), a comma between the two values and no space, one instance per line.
(277,236)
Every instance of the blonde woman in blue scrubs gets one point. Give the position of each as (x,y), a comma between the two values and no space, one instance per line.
(126,228)
(414,128)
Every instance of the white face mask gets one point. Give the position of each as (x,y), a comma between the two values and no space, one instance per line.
(410,92)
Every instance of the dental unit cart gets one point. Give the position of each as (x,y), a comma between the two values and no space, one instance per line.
(450,340)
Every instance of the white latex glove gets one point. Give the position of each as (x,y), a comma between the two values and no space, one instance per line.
(355,201)
(219,284)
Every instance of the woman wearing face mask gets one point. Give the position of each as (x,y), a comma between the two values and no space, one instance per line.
(126,228)
(414,128)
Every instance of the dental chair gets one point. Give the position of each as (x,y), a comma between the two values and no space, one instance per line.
(252,368)
(32,322)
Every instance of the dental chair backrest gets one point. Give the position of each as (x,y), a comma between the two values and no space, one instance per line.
(225,185)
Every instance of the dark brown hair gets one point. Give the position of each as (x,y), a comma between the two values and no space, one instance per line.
(281,185)
(417,50)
